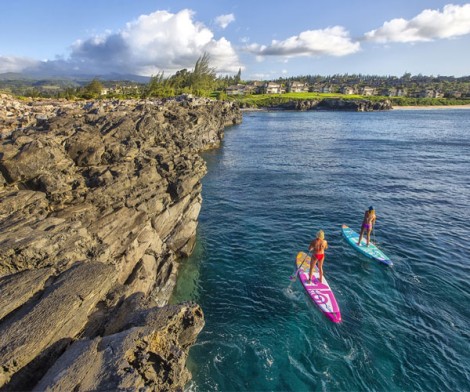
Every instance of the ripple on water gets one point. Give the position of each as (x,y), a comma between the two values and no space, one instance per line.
(280,177)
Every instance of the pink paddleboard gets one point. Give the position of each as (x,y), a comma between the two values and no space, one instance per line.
(320,293)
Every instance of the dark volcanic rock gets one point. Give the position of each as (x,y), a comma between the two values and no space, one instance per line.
(99,200)
(355,105)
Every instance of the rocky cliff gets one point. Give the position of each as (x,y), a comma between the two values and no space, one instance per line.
(354,105)
(99,202)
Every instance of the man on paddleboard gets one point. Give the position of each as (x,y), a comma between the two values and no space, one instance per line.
(367,224)
(318,247)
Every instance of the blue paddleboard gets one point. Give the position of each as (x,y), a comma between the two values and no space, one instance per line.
(370,251)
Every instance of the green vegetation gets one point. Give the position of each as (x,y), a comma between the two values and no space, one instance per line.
(92,90)
(447,85)
(266,100)
(202,81)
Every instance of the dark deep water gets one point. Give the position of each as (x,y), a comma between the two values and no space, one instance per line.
(276,180)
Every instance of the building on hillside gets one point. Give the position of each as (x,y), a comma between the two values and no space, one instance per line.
(367,91)
(271,88)
(400,92)
(315,88)
(254,87)
(347,90)
(428,93)
(393,92)
(237,89)
(326,89)
(250,89)
(453,94)
(297,87)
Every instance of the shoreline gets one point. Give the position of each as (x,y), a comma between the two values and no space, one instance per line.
(432,107)
(411,107)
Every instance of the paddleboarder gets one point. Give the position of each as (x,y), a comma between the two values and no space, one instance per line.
(317,247)
(367,224)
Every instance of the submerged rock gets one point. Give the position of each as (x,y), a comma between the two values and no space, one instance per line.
(99,201)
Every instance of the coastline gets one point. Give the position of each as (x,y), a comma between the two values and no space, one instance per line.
(436,107)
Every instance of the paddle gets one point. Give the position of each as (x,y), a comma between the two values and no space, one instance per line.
(293,277)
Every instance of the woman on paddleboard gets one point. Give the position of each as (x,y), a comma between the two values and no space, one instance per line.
(367,224)
(318,247)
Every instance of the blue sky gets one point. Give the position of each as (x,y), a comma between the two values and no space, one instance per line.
(266,39)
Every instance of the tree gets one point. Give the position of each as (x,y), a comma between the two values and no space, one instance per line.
(93,89)
(238,77)
(203,76)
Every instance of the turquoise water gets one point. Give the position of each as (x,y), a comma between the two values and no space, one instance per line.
(276,180)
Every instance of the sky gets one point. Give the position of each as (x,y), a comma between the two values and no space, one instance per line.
(264,39)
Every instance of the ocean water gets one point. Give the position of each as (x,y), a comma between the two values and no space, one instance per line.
(277,179)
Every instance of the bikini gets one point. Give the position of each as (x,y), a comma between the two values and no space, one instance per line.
(367,226)
(319,256)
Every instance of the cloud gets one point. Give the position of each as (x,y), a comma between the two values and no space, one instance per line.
(160,41)
(453,21)
(16,64)
(224,20)
(332,41)
(157,42)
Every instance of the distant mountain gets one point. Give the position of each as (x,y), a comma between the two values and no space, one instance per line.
(14,76)
(77,78)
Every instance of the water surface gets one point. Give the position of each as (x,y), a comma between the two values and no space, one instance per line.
(277,179)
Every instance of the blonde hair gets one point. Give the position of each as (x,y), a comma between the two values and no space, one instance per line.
(320,234)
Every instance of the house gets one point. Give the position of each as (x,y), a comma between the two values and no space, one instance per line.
(429,94)
(254,87)
(367,91)
(238,89)
(454,94)
(325,89)
(296,87)
(347,90)
(401,92)
(271,88)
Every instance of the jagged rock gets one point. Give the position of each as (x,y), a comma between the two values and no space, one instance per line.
(149,354)
(356,105)
(18,288)
(51,323)
(99,201)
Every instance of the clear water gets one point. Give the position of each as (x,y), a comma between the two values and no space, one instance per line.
(276,180)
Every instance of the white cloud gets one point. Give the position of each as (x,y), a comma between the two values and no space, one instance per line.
(160,41)
(16,64)
(224,20)
(332,41)
(453,21)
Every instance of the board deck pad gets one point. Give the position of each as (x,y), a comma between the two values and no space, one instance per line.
(370,251)
(320,293)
